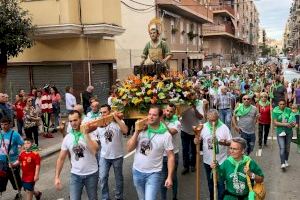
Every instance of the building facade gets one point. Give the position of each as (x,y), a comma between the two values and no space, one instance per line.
(73,47)
(292,32)
(182,30)
(233,36)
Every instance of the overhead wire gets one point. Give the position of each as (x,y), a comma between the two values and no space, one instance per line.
(137,9)
(140,3)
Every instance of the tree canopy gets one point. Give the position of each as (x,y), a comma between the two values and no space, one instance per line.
(16,29)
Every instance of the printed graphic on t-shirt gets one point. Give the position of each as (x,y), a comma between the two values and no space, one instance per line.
(146,147)
(78,151)
(209,144)
(238,185)
(109,134)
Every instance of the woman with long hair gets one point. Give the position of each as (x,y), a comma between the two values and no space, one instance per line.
(31,121)
(46,111)
(264,120)
(56,99)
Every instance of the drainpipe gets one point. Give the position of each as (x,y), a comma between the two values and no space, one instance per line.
(87,43)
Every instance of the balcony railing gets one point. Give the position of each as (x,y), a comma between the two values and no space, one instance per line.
(223,8)
(187,8)
(218,29)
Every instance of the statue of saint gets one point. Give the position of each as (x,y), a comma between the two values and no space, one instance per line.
(156,50)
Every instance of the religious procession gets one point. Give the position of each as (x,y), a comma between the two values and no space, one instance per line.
(211,132)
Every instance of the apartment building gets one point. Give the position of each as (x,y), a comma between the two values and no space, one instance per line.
(233,36)
(73,46)
(292,32)
(182,30)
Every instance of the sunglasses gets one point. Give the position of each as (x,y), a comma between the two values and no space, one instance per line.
(246,98)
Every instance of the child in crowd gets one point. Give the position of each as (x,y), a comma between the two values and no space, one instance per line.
(30,165)
(295,111)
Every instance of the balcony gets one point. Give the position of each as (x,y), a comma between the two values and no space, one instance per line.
(224,9)
(217,30)
(187,8)
(62,19)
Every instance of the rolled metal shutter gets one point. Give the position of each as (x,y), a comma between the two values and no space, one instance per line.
(17,78)
(100,74)
(58,75)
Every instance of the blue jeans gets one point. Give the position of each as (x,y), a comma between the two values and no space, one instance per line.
(77,182)
(210,182)
(20,125)
(250,139)
(105,165)
(284,143)
(165,175)
(147,185)
(225,116)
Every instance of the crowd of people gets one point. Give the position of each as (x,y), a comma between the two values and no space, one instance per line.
(237,104)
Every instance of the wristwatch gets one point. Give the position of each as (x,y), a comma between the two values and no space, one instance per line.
(252,176)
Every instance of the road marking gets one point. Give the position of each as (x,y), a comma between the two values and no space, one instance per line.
(275,138)
(129,154)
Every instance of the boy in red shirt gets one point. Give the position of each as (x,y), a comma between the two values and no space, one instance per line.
(30,165)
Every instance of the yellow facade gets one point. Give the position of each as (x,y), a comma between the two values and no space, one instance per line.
(68,49)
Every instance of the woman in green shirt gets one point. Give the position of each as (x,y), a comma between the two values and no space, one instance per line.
(284,130)
(234,171)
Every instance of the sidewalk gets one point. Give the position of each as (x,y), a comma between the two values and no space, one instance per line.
(49,146)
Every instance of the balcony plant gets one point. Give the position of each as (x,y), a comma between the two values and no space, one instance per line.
(174,30)
(191,35)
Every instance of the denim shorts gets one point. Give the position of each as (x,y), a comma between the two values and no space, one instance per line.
(28,186)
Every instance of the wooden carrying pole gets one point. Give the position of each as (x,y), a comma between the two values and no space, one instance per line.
(215,178)
(197,130)
(97,122)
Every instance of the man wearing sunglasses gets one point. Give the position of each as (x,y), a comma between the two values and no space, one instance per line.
(244,120)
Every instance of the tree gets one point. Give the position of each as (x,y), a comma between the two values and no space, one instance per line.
(16,30)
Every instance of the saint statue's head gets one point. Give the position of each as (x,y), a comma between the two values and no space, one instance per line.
(155,29)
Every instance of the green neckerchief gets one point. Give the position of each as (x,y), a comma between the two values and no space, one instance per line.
(215,90)
(241,110)
(210,128)
(161,130)
(173,119)
(264,104)
(33,147)
(238,163)
(77,135)
(274,86)
(94,115)
(285,113)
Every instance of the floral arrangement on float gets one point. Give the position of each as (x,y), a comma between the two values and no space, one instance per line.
(137,94)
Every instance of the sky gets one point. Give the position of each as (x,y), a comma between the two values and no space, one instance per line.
(273,15)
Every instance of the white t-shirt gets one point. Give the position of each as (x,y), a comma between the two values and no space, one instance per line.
(89,117)
(221,133)
(175,138)
(70,100)
(149,154)
(83,162)
(111,139)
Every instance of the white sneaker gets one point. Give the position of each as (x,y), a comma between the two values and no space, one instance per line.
(286,163)
(283,166)
(282,134)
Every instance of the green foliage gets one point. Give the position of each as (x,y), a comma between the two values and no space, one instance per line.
(16,28)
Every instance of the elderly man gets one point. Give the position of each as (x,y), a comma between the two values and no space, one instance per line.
(94,113)
(86,96)
(225,103)
(244,120)
(223,137)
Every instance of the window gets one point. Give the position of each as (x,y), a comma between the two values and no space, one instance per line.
(181,32)
(173,35)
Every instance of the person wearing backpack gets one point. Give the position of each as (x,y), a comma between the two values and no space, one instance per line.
(10,141)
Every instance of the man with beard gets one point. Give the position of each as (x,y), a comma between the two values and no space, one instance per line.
(150,145)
